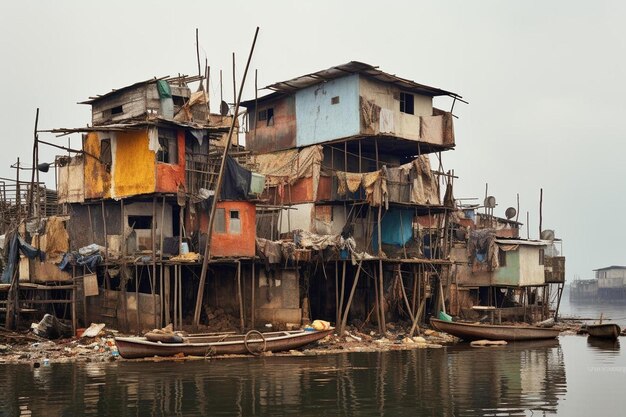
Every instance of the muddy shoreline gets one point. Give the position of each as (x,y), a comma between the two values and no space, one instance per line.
(28,348)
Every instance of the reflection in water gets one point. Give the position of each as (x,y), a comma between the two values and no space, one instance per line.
(603,345)
(452,381)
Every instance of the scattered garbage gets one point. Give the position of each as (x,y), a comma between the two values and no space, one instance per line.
(93,330)
(51,328)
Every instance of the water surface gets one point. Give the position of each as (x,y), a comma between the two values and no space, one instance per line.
(571,377)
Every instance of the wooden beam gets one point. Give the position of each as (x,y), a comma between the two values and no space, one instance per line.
(218,189)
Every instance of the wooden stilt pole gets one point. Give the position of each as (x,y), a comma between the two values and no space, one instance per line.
(240,297)
(218,189)
(344,319)
(252,295)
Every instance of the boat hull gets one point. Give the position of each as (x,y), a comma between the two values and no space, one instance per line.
(604,331)
(140,347)
(469,331)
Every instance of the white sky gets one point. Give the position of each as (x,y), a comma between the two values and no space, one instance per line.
(545,82)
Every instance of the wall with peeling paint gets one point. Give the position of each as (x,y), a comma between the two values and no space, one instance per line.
(387,96)
(97,175)
(319,120)
(134,164)
(169,176)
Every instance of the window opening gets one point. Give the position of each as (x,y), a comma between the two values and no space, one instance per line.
(105,152)
(140,222)
(501,257)
(219,225)
(270,117)
(407,103)
(235,222)
(117,110)
(168,146)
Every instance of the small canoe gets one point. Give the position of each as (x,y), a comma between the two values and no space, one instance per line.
(253,342)
(471,331)
(604,331)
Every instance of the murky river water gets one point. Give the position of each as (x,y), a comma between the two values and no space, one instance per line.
(571,377)
(568,377)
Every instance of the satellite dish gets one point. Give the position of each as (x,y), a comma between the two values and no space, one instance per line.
(510,213)
(490,202)
(547,235)
(43,167)
(224,108)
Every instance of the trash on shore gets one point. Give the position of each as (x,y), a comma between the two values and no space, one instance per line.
(51,328)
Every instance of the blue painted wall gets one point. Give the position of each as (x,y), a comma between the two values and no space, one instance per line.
(397,227)
(317,120)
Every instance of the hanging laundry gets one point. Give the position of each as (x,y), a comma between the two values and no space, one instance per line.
(342,188)
(353,181)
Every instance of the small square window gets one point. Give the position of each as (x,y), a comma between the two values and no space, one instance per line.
(407,103)
(219,225)
(334,100)
(267,115)
(235,222)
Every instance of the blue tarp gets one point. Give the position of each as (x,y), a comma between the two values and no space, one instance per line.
(397,228)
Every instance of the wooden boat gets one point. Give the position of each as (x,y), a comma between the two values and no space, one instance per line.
(253,342)
(471,331)
(604,331)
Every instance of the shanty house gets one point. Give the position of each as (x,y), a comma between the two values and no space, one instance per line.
(347,101)
(611,282)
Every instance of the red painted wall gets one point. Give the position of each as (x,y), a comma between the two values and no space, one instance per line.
(170,175)
(233,244)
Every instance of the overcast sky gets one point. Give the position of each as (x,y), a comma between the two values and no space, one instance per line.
(545,82)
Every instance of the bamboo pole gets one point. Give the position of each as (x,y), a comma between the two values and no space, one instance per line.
(153,278)
(343,286)
(252,301)
(344,319)
(240,297)
(218,188)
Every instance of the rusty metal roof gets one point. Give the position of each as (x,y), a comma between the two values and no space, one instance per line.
(355,67)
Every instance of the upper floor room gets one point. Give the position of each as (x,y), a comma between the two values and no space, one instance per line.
(348,101)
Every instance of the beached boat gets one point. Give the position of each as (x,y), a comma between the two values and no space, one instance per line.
(604,331)
(471,331)
(253,342)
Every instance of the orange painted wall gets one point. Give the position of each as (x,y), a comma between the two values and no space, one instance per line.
(169,176)
(97,178)
(134,165)
(226,244)
(301,192)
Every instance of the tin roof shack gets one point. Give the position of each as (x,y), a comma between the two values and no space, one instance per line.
(611,283)
(349,185)
(585,290)
(494,268)
(345,101)
(140,193)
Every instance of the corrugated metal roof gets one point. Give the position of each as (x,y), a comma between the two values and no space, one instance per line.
(355,67)
(114,91)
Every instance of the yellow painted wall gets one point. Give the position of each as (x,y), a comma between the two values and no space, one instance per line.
(134,166)
(97,178)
